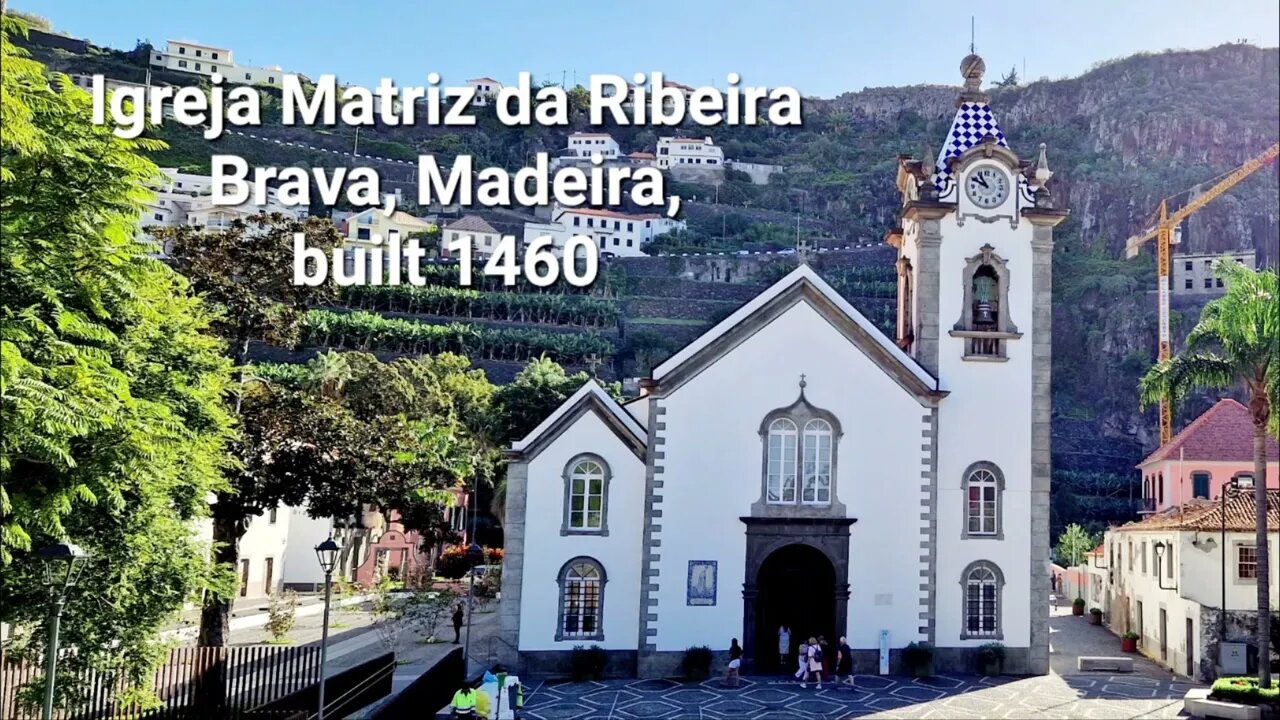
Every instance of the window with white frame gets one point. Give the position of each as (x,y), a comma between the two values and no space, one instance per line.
(983,583)
(817,462)
(983,487)
(585,496)
(582,582)
(1247,562)
(781,461)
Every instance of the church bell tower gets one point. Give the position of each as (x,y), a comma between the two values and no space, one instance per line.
(975,249)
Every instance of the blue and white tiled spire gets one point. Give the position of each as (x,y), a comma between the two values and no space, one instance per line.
(973,122)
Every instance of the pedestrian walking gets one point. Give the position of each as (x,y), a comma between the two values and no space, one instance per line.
(803,654)
(457,625)
(844,663)
(732,672)
(784,645)
(828,657)
(814,669)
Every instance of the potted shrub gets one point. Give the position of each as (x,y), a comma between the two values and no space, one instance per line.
(587,663)
(917,658)
(991,658)
(1129,642)
(1095,616)
(1077,606)
(697,663)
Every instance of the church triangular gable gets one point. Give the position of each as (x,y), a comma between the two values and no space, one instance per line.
(801,285)
(589,398)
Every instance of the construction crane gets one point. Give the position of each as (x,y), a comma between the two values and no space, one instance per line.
(1166,232)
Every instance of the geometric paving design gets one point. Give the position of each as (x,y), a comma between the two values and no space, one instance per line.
(942,697)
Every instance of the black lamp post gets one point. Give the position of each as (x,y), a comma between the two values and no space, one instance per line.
(327,554)
(1160,570)
(474,555)
(63,564)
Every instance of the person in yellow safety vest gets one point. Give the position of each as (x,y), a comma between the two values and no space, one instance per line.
(464,702)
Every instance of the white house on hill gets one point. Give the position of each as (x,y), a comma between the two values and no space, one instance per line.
(189,57)
(793,465)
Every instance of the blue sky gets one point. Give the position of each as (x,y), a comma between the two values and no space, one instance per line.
(821,47)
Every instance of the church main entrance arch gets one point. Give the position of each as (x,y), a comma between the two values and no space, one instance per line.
(797,574)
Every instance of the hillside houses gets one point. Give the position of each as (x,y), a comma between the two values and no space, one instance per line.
(205,60)
(186,199)
(614,233)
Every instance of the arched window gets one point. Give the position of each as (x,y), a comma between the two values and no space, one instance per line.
(817,462)
(906,324)
(1160,486)
(582,582)
(984,322)
(983,487)
(586,495)
(782,461)
(983,295)
(799,464)
(982,584)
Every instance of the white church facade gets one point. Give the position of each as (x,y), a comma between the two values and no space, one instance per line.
(794,465)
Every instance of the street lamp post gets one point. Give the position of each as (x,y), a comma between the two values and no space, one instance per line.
(327,554)
(474,553)
(63,564)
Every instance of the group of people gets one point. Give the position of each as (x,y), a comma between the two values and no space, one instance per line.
(815,661)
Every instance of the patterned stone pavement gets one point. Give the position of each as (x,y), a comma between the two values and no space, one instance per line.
(1150,692)
(949,696)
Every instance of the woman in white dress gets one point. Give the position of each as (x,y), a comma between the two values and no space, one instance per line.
(802,653)
(784,644)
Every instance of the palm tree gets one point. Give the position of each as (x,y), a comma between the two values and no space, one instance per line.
(1235,345)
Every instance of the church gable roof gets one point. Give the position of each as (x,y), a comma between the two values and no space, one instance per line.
(801,285)
(589,398)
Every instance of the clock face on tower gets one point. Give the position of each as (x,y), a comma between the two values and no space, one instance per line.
(987,187)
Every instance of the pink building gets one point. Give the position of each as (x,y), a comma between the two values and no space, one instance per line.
(1197,462)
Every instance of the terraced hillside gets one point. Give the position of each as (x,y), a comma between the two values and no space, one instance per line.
(638,312)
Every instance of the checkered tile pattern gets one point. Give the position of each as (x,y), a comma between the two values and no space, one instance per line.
(973,122)
(946,696)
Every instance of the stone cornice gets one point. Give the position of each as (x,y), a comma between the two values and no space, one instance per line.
(927,210)
(1045,217)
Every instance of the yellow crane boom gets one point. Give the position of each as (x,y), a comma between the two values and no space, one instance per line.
(1163,232)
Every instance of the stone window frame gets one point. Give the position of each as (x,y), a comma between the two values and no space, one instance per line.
(567,476)
(799,413)
(969,569)
(561,577)
(995,470)
(1005,328)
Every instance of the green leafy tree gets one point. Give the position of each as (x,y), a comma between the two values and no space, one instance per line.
(1236,344)
(112,388)
(1074,545)
(245,271)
